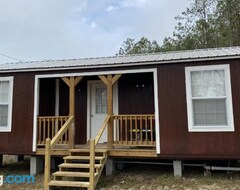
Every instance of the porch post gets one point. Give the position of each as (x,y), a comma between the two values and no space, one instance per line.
(71,111)
(109,82)
(110,110)
(71,97)
(72,82)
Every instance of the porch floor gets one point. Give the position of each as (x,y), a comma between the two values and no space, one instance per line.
(118,151)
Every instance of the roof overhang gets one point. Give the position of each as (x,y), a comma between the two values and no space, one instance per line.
(116,65)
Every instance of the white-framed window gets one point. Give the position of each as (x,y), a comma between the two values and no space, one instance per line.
(6,98)
(209,98)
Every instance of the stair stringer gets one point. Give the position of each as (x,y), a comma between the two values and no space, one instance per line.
(103,162)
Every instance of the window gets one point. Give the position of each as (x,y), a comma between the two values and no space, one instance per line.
(6,91)
(101,100)
(209,99)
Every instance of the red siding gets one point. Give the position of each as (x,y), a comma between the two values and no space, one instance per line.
(81,112)
(176,141)
(63,99)
(47,97)
(136,94)
(19,140)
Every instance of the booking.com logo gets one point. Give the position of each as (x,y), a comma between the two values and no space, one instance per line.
(16,179)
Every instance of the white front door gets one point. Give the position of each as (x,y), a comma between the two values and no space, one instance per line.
(98,108)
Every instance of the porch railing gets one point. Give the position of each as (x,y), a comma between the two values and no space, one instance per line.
(49,126)
(93,143)
(50,144)
(134,130)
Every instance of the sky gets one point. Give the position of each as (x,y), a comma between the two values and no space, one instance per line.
(33,30)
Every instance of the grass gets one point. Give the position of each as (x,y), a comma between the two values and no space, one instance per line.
(149,177)
(143,177)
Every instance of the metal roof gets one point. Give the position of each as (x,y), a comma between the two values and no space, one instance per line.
(127,60)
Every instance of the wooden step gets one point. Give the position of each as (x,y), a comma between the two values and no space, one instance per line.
(82,158)
(88,150)
(74,165)
(72,174)
(68,183)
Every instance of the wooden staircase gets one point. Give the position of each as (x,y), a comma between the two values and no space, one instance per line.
(75,171)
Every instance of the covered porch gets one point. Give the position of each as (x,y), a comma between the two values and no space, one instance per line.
(132,124)
(108,126)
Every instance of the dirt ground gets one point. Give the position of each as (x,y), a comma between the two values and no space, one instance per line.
(143,177)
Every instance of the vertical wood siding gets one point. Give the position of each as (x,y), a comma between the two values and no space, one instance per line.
(136,94)
(47,93)
(81,112)
(63,99)
(19,140)
(176,141)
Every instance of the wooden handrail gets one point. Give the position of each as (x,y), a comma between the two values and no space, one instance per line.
(50,145)
(93,143)
(134,115)
(97,138)
(52,117)
(60,133)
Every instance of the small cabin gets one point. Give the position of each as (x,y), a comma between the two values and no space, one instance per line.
(172,105)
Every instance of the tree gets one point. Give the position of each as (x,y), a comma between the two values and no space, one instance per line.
(142,46)
(169,44)
(228,22)
(127,47)
(194,28)
(204,24)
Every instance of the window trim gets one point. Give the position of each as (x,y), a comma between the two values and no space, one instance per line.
(8,128)
(229,109)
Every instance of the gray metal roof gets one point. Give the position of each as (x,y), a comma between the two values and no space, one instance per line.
(115,61)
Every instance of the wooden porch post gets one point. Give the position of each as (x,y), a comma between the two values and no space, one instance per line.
(72,82)
(71,139)
(110,110)
(109,81)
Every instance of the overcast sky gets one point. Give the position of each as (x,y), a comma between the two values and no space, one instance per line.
(62,29)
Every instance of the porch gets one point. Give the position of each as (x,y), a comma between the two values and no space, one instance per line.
(116,135)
